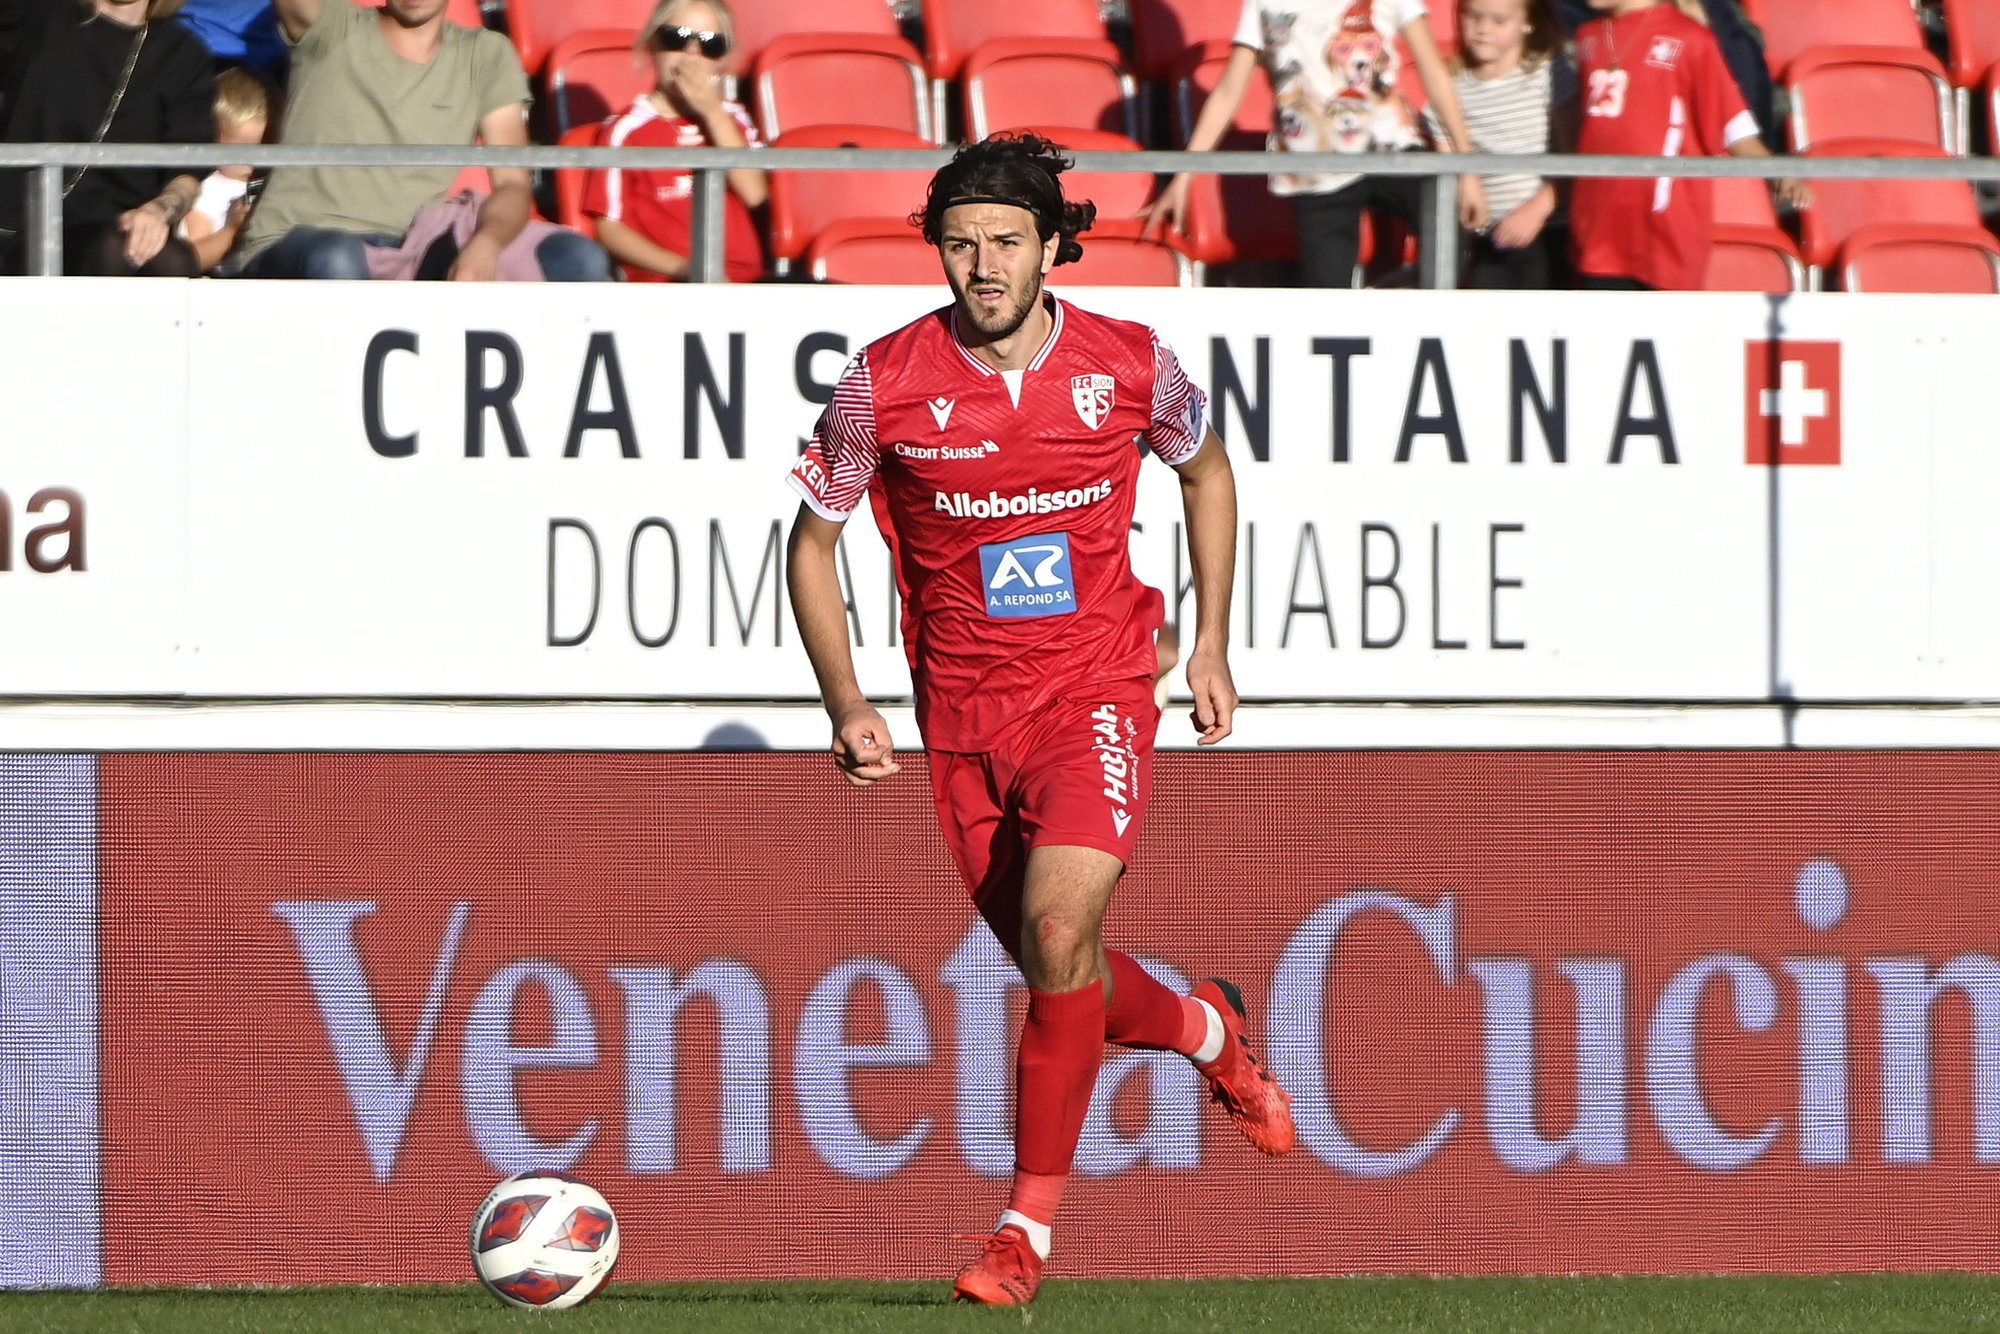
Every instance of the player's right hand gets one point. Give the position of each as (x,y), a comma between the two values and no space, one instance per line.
(861,746)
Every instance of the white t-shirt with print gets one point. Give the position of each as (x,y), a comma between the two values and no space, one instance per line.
(1333,67)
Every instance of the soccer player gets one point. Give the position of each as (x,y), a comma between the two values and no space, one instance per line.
(1000,440)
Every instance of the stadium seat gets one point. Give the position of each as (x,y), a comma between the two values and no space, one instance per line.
(1070,82)
(1842,207)
(1846,92)
(954,29)
(1791,27)
(1119,195)
(538,25)
(569,181)
(1231,218)
(1887,257)
(883,251)
(803,203)
(1164,30)
(1736,264)
(1115,255)
(841,79)
(1972,31)
(762,22)
(593,75)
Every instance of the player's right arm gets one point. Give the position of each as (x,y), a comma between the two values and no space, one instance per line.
(861,745)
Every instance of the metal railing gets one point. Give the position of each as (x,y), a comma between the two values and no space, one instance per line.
(1438,230)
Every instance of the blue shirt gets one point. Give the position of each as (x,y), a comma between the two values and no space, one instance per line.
(243,31)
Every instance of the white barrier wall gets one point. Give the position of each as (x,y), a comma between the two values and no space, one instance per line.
(267,489)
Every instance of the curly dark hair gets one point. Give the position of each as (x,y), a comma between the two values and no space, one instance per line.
(1019,169)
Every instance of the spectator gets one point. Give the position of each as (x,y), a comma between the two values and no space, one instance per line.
(1742,47)
(645,218)
(1654,83)
(105,72)
(1519,96)
(238,32)
(243,104)
(402,74)
(1333,74)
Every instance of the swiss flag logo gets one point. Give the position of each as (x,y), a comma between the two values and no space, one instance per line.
(1791,402)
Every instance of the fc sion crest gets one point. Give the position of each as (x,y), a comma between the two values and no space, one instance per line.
(1094,396)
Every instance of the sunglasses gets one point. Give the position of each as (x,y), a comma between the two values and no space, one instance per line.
(671,38)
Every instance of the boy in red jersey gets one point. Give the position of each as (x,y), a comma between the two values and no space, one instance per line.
(1654,84)
(998,438)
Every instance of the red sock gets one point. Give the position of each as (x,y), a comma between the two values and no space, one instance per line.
(1145,1013)
(1055,1072)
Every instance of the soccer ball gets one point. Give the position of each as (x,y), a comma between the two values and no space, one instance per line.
(544,1240)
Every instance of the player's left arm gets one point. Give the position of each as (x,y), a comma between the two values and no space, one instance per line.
(1208,496)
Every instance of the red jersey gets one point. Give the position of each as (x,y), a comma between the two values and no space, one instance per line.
(659,205)
(1006,498)
(1654,83)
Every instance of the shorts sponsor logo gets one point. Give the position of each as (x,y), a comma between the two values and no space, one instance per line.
(1111,742)
(994,505)
(1029,576)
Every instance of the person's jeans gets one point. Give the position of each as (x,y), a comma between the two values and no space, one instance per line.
(327,252)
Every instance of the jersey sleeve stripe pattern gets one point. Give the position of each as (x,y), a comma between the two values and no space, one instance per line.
(844,446)
(1180,410)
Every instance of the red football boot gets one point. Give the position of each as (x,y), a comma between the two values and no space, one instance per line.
(1238,1080)
(1007,1272)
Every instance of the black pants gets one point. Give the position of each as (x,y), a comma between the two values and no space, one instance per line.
(97,250)
(1489,268)
(1330,224)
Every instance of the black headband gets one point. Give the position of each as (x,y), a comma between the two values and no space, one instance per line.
(956,200)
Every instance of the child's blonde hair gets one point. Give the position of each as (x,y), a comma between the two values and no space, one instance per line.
(242,96)
(666,9)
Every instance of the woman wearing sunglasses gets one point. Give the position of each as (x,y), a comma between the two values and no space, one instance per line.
(645,217)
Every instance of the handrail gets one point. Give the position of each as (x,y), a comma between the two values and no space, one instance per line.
(1439,226)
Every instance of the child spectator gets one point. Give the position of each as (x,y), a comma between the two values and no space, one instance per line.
(1519,96)
(646,218)
(1333,74)
(1654,83)
(243,102)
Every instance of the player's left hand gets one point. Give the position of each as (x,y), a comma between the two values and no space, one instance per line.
(1214,694)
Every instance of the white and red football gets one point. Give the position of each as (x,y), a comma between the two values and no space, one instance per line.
(544,1241)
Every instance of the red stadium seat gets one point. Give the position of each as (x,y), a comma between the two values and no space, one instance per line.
(1119,195)
(803,203)
(1847,92)
(762,22)
(1752,253)
(1791,27)
(1115,255)
(1070,82)
(593,75)
(1840,208)
(538,25)
(1231,218)
(842,79)
(1972,30)
(954,29)
(883,251)
(1165,30)
(1736,264)
(569,181)
(1891,258)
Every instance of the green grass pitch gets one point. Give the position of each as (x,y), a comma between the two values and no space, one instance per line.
(1874,1304)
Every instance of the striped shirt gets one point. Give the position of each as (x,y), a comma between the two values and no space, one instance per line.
(1510,114)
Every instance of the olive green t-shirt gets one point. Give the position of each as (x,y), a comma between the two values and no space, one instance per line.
(348,87)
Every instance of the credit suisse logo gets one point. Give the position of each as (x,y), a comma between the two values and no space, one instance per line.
(1791,402)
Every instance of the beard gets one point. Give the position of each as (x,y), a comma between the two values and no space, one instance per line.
(1003,321)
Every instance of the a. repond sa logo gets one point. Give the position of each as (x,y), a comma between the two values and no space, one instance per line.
(1029,576)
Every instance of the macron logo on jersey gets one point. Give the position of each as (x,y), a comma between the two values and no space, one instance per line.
(993,505)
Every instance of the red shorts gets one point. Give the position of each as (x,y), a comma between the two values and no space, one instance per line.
(1078,774)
